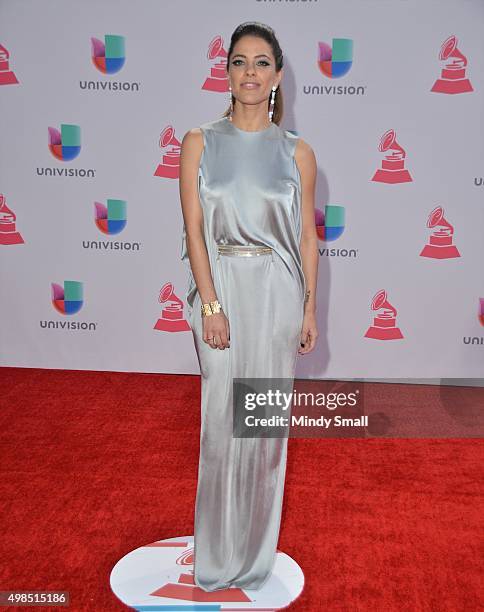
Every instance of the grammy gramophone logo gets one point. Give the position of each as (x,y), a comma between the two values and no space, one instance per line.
(185,588)
(392,169)
(440,244)
(169,166)
(171,318)
(385,320)
(8,229)
(7,76)
(218,80)
(453,78)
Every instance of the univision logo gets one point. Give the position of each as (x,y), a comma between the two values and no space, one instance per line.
(110,219)
(335,61)
(108,57)
(330,226)
(67,299)
(65,145)
(477,340)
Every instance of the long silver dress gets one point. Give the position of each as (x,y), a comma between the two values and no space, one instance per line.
(250,193)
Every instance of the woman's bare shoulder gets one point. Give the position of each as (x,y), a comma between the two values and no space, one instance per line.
(192,142)
(304,155)
(193,136)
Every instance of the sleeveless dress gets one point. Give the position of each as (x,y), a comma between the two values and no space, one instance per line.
(250,193)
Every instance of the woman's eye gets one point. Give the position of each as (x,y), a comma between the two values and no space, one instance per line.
(263,62)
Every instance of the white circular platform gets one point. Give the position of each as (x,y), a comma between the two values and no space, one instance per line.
(159,576)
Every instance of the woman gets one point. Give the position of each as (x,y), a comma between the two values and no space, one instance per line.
(250,242)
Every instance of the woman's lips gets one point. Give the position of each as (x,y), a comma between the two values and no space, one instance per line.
(250,85)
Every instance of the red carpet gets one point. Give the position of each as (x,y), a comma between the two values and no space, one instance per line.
(95,464)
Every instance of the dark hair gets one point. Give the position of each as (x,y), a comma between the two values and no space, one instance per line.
(255,28)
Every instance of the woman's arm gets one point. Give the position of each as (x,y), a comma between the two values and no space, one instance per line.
(191,152)
(306,163)
(216,329)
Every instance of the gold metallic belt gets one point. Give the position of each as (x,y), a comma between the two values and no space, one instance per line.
(245,250)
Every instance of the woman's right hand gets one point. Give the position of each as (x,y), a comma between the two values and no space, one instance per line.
(216,330)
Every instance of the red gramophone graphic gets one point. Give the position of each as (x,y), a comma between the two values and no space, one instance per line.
(384,323)
(393,165)
(186,589)
(169,167)
(171,319)
(8,231)
(453,75)
(7,77)
(440,242)
(218,80)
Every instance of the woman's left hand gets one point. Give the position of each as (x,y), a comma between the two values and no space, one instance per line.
(309,333)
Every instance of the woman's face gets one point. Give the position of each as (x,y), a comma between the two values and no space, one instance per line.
(252,70)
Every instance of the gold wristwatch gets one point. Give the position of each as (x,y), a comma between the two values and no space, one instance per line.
(211,308)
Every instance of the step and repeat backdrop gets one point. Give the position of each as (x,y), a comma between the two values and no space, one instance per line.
(96,97)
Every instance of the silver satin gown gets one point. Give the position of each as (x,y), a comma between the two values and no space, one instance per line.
(250,193)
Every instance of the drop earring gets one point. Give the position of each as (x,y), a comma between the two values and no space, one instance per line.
(271,107)
(231,103)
